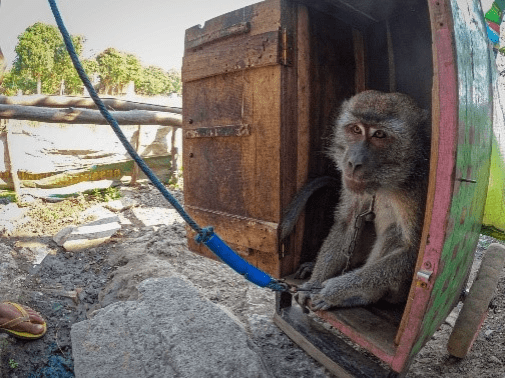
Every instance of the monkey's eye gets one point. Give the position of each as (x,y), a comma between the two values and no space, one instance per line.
(379,134)
(356,129)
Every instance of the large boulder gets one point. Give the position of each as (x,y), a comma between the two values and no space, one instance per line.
(171,331)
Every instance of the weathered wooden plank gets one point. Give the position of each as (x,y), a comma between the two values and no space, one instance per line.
(12,163)
(234,229)
(258,47)
(233,55)
(263,17)
(218,131)
(303,65)
(359,58)
(324,346)
(218,35)
(83,102)
(377,332)
(240,174)
(332,80)
(86,116)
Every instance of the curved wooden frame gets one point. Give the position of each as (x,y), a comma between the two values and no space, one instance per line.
(442,165)
(461,141)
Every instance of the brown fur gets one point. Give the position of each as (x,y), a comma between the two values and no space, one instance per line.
(381,146)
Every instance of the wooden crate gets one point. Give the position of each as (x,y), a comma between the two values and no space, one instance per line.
(261,86)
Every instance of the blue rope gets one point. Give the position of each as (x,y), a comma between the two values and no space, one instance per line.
(205,235)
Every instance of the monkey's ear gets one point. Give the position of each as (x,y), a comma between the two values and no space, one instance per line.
(345,104)
(343,114)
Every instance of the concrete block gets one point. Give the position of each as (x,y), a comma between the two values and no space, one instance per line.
(171,331)
(104,224)
(156,216)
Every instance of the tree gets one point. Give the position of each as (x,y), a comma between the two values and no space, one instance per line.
(176,81)
(116,69)
(35,52)
(42,57)
(155,81)
(14,82)
(64,71)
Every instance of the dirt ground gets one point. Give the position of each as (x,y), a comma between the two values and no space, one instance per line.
(67,287)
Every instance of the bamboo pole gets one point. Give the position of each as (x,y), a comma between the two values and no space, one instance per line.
(87,116)
(84,102)
(136,169)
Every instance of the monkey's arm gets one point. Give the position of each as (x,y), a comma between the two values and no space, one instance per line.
(332,257)
(387,277)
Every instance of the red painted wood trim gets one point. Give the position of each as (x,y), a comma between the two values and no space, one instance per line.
(357,337)
(448,128)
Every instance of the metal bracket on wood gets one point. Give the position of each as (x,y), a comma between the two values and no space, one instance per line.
(218,131)
(286,50)
(233,30)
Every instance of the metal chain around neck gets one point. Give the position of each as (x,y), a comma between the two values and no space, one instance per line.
(367,215)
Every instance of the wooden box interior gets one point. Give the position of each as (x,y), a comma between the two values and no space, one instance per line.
(382,45)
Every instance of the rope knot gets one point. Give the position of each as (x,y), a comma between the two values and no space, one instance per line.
(204,234)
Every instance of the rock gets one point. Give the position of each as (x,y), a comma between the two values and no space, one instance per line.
(11,212)
(453,316)
(488,333)
(98,215)
(10,278)
(170,332)
(153,216)
(35,254)
(495,359)
(121,204)
(11,216)
(104,224)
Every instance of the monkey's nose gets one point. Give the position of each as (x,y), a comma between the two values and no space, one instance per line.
(354,167)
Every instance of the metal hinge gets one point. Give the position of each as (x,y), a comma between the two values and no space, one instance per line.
(424,275)
(286,48)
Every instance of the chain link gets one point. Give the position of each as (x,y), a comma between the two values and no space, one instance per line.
(367,215)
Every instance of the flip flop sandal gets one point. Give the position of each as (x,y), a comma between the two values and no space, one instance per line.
(5,327)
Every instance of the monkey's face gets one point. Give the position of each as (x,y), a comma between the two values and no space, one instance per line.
(374,142)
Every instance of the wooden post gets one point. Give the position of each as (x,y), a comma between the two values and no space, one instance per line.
(136,169)
(174,152)
(12,165)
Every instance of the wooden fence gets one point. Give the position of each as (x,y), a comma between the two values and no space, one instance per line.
(136,118)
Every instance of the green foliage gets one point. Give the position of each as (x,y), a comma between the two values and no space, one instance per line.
(175,77)
(90,66)
(9,195)
(155,81)
(15,81)
(69,208)
(502,50)
(103,195)
(43,65)
(117,69)
(13,364)
(42,62)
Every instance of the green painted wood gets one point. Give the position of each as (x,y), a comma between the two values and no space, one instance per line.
(160,164)
(472,165)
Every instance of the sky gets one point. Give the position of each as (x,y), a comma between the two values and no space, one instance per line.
(153,30)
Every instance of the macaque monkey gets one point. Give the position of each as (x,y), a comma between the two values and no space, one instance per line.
(381,145)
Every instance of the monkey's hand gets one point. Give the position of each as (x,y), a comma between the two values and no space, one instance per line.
(306,291)
(305,270)
(340,292)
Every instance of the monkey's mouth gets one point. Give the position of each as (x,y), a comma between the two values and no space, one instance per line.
(358,185)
